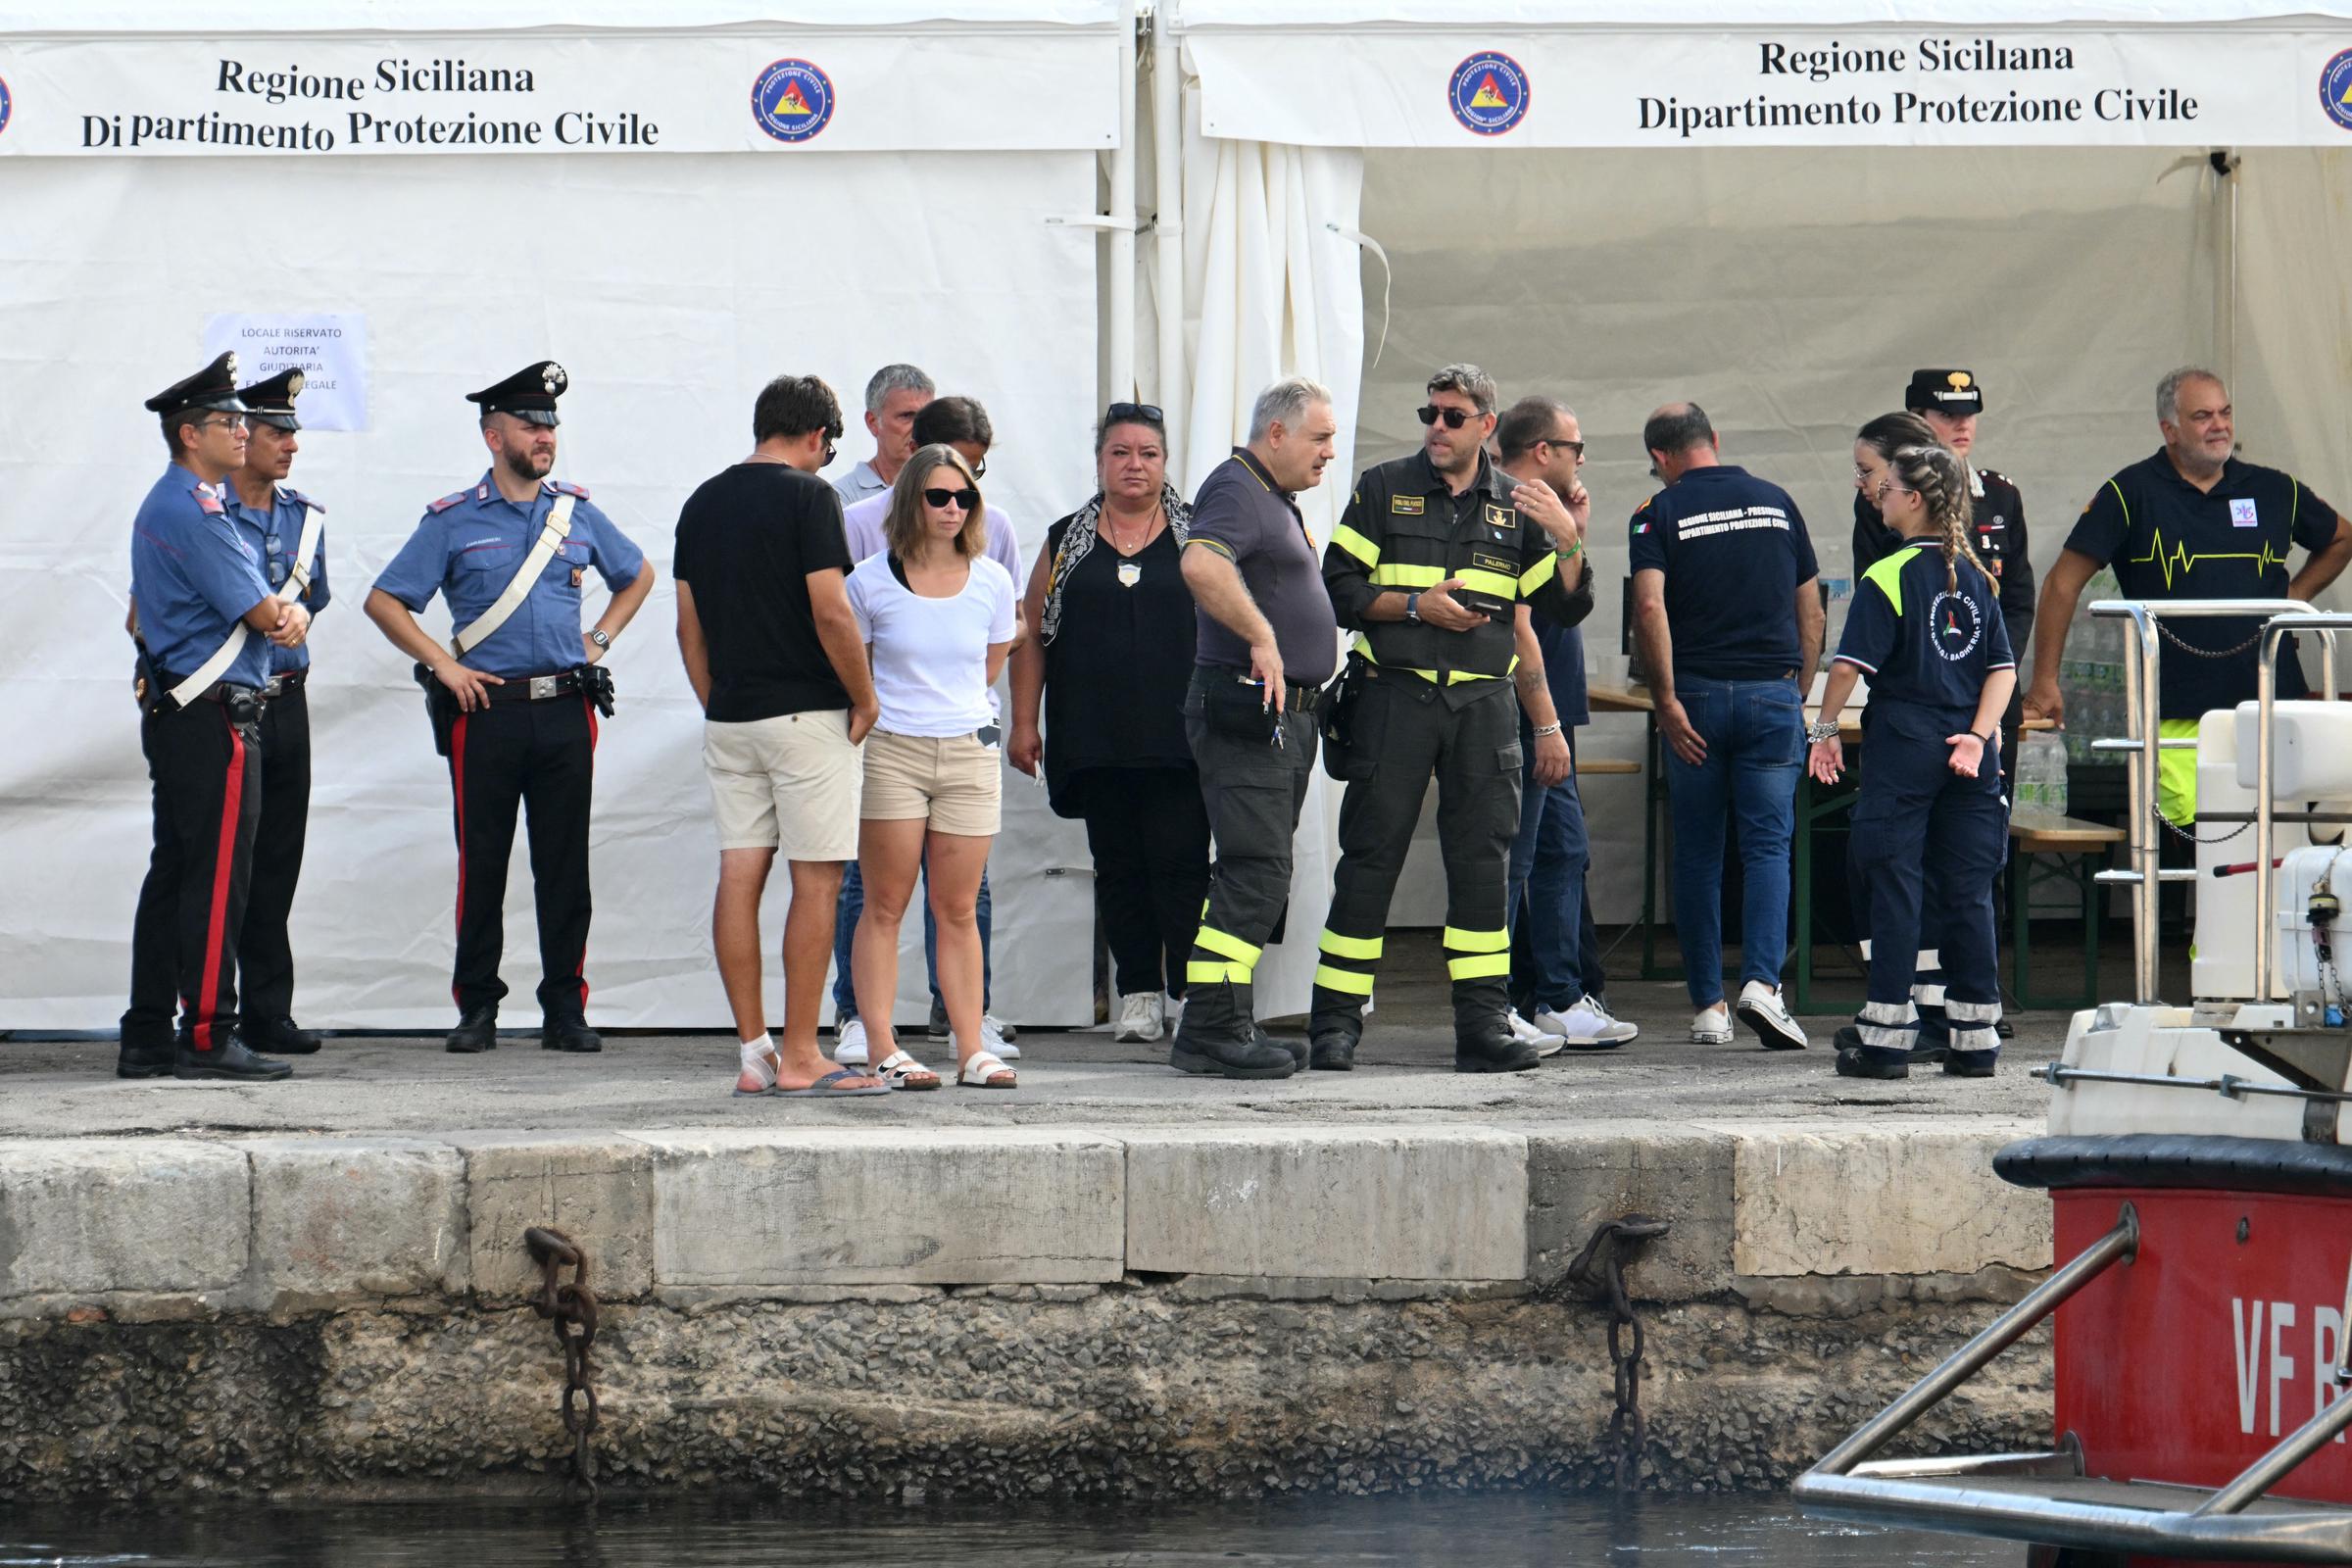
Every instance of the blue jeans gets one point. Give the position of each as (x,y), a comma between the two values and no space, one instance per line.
(1755,736)
(844,930)
(1549,857)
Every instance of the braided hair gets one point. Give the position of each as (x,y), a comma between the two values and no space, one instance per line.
(1940,480)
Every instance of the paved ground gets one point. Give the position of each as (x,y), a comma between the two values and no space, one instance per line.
(379,1085)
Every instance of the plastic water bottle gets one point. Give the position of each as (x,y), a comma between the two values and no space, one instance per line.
(2040,774)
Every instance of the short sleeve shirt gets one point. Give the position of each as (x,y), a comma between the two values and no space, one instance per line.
(276,531)
(1734,548)
(931,654)
(2167,539)
(193,576)
(1243,516)
(468,547)
(747,540)
(1926,648)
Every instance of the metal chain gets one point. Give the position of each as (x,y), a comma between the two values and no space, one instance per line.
(571,1308)
(1602,1262)
(2191,649)
(2189,835)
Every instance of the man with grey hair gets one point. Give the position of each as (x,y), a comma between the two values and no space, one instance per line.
(2191,521)
(893,397)
(1434,566)
(1266,645)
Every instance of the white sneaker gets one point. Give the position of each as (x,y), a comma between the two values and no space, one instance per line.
(850,1049)
(1546,1044)
(1761,1010)
(1000,1029)
(1171,1012)
(1712,1027)
(993,1036)
(1587,1025)
(1139,1017)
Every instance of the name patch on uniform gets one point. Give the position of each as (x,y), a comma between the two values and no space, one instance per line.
(1408,506)
(1486,560)
(2242,514)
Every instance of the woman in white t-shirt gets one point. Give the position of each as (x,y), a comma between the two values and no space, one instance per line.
(938,619)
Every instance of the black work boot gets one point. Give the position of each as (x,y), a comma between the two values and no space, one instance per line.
(229,1059)
(1333,1050)
(570,1034)
(1297,1047)
(1872,1061)
(1495,1049)
(280,1036)
(1924,1055)
(146,1058)
(477,1031)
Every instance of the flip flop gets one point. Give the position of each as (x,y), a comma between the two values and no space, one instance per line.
(823,1088)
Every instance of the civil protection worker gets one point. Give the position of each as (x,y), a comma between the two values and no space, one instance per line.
(515,695)
(1430,566)
(1925,627)
(286,527)
(205,622)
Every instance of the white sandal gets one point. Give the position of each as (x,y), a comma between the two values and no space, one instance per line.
(982,1069)
(902,1071)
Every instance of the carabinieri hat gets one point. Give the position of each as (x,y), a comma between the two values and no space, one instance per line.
(271,402)
(530,393)
(1953,392)
(213,387)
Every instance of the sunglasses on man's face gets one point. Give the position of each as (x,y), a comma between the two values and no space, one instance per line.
(1454,418)
(967,498)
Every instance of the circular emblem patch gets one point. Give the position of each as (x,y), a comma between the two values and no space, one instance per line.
(6,104)
(793,100)
(1489,93)
(2336,91)
(1956,626)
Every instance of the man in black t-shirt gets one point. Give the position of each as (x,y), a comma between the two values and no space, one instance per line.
(772,649)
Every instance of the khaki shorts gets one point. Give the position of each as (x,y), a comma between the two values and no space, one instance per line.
(791,782)
(957,783)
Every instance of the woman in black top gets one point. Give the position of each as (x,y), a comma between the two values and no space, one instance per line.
(1111,660)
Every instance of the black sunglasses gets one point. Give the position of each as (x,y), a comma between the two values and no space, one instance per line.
(968,497)
(1454,418)
(1575,446)
(1122,413)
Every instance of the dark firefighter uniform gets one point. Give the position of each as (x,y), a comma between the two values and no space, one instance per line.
(1424,702)
(193,579)
(266,950)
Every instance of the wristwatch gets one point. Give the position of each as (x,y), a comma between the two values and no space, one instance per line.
(1821,729)
(599,636)
(1412,607)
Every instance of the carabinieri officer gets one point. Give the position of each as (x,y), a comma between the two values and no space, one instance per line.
(277,522)
(1429,564)
(512,694)
(205,621)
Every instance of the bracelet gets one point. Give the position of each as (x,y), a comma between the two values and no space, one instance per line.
(1547,730)
(1821,730)
(1573,551)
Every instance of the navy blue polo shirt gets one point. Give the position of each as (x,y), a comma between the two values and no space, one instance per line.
(1928,649)
(1734,548)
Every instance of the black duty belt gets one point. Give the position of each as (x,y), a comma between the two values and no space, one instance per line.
(286,680)
(535,688)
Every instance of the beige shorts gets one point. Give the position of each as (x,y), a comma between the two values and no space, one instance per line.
(791,782)
(957,783)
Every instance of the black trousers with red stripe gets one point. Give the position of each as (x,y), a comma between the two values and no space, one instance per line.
(265,951)
(539,758)
(206,774)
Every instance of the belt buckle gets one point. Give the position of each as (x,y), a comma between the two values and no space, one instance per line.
(543,687)
(274,686)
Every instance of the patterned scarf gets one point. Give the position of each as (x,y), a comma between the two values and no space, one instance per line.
(1078,540)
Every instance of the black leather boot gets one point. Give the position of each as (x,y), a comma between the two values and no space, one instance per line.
(280,1036)
(229,1059)
(1332,1051)
(570,1034)
(477,1031)
(1496,1050)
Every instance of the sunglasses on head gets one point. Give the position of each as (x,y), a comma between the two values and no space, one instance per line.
(1454,418)
(1121,412)
(968,497)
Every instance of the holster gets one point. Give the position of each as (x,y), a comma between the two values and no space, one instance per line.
(1340,701)
(440,707)
(596,682)
(147,687)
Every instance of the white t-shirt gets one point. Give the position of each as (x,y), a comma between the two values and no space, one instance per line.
(931,654)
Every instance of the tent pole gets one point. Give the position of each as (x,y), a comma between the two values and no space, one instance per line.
(1167,146)
(1122,218)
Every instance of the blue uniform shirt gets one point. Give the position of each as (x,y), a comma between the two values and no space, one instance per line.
(1928,650)
(193,576)
(277,535)
(1734,548)
(468,547)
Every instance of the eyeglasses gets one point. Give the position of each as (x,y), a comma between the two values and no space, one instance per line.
(234,421)
(980,469)
(1122,413)
(1576,448)
(1454,418)
(968,497)
(832,434)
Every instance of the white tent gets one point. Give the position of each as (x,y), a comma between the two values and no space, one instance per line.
(1778,210)
(649,232)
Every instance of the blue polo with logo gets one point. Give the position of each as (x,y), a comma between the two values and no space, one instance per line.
(1927,648)
(468,546)
(1734,548)
(193,576)
(276,533)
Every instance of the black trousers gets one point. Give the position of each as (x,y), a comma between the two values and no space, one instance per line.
(206,774)
(1147,829)
(1407,732)
(539,758)
(1253,791)
(264,952)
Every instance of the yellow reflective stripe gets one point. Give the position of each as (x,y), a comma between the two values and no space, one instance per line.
(1481,968)
(1456,940)
(1340,947)
(1232,947)
(1460,675)
(1217,545)
(1537,575)
(1216,973)
(1347,980)
(1363,647)
(1355,544)
(1488,582)
(1393,574)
